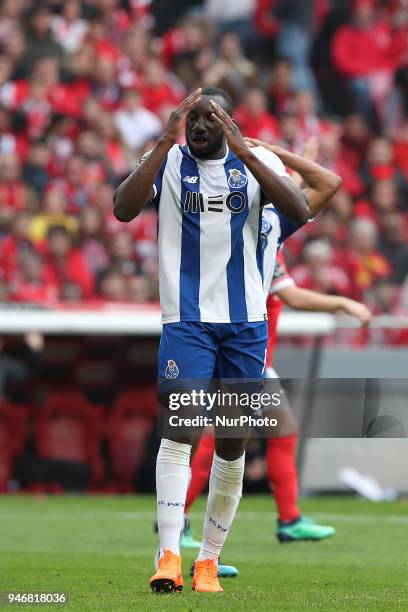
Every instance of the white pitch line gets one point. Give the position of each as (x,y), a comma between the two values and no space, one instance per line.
(83,516)
(335,516)
(245,516)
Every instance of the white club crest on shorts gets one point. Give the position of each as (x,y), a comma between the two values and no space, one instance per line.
(172,370)
(237,178)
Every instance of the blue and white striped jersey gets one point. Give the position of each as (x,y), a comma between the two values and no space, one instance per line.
(272,236)
(212,237)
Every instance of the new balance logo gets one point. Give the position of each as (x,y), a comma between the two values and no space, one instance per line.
(191,179)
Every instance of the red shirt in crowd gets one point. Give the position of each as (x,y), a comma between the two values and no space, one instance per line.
(264,126)
(401,156)
(64,98)
(73,269)
(335,280)
(360,52)
(365,269)
(43,293)
(154,97)
(11,250)
(13,195)
(13,143)
(268,26)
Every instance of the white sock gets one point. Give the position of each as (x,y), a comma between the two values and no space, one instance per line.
(225,491)
(172,473)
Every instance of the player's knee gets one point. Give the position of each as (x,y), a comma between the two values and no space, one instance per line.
(230,449)
(178,439)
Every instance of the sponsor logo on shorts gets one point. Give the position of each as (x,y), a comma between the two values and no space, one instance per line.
(172,370)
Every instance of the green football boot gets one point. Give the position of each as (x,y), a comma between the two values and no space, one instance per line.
(226,571)
(187,539)
(303,529)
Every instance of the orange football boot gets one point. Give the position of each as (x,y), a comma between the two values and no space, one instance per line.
(168,577)
(205,579)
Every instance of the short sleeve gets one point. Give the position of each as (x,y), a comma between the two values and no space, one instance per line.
(157,185)
(281,277)
(275,163)
(287,227)
(271,160)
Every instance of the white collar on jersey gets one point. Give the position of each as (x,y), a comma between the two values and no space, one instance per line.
(210,162)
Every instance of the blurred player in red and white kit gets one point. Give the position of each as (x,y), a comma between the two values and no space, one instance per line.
(281,450)
(319,186)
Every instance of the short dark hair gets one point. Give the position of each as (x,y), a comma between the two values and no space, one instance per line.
(54,230)
(212,90)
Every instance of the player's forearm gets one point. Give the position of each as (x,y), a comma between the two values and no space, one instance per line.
(137,189)
(283,193)
(322,184)
(304,299)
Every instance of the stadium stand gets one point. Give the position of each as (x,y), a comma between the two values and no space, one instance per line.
(85,87)
(128,431)
(68,430)
(14,429)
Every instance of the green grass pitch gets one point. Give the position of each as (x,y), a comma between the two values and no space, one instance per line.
(99,550)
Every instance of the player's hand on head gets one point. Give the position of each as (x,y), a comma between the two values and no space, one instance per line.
(255,142)
(311,149)
(235,140)
(178,116)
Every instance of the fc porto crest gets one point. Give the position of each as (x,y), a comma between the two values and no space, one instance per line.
(266,228)
(172,370)
(237,178)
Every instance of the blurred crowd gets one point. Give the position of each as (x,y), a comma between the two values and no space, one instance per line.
(87,86)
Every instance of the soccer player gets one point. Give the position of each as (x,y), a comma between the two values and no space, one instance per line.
(320,186)
(281,450)
(209,194)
